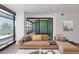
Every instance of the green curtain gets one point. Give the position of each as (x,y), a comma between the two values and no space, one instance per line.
(43,26)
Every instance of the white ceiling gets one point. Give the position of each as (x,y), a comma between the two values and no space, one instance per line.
(43,8)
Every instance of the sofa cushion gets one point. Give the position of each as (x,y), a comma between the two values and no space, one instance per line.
(45,37)
(66,45)
(37,38)
(37,43)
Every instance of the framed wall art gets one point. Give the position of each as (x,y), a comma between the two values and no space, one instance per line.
(68,25)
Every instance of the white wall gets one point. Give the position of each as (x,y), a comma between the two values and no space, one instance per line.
(39,15)
(19,25)
(71,35)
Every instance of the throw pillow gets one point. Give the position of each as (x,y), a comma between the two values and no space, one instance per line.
(45,37)
(63,39)
(26,38)
(37,37)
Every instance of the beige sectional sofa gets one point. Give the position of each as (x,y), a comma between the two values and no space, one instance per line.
(37,41)
(66,47)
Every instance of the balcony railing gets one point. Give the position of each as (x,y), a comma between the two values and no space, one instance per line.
(4,40)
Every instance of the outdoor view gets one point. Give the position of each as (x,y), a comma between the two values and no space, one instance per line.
(6,31)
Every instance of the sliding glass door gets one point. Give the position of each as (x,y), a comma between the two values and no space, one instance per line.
(7,28)
(42,25)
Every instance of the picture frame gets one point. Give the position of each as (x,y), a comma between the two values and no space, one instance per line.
(68,25)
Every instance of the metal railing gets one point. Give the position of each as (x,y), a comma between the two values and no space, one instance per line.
(5,39)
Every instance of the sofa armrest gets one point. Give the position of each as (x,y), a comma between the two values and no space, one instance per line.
(21,42)
(58,37)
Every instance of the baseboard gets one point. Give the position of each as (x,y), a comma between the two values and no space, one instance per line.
(73,43)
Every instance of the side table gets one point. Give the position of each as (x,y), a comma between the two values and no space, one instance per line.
(53,44)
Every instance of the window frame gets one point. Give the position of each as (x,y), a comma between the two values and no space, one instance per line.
(13,15)
(42,20)
(28,27)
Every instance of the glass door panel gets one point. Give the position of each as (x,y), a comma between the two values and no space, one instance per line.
(43,26)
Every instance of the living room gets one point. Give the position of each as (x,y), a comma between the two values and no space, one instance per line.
(46,35)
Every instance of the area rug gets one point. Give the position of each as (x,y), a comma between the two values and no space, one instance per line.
(48,52)
(36,51)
